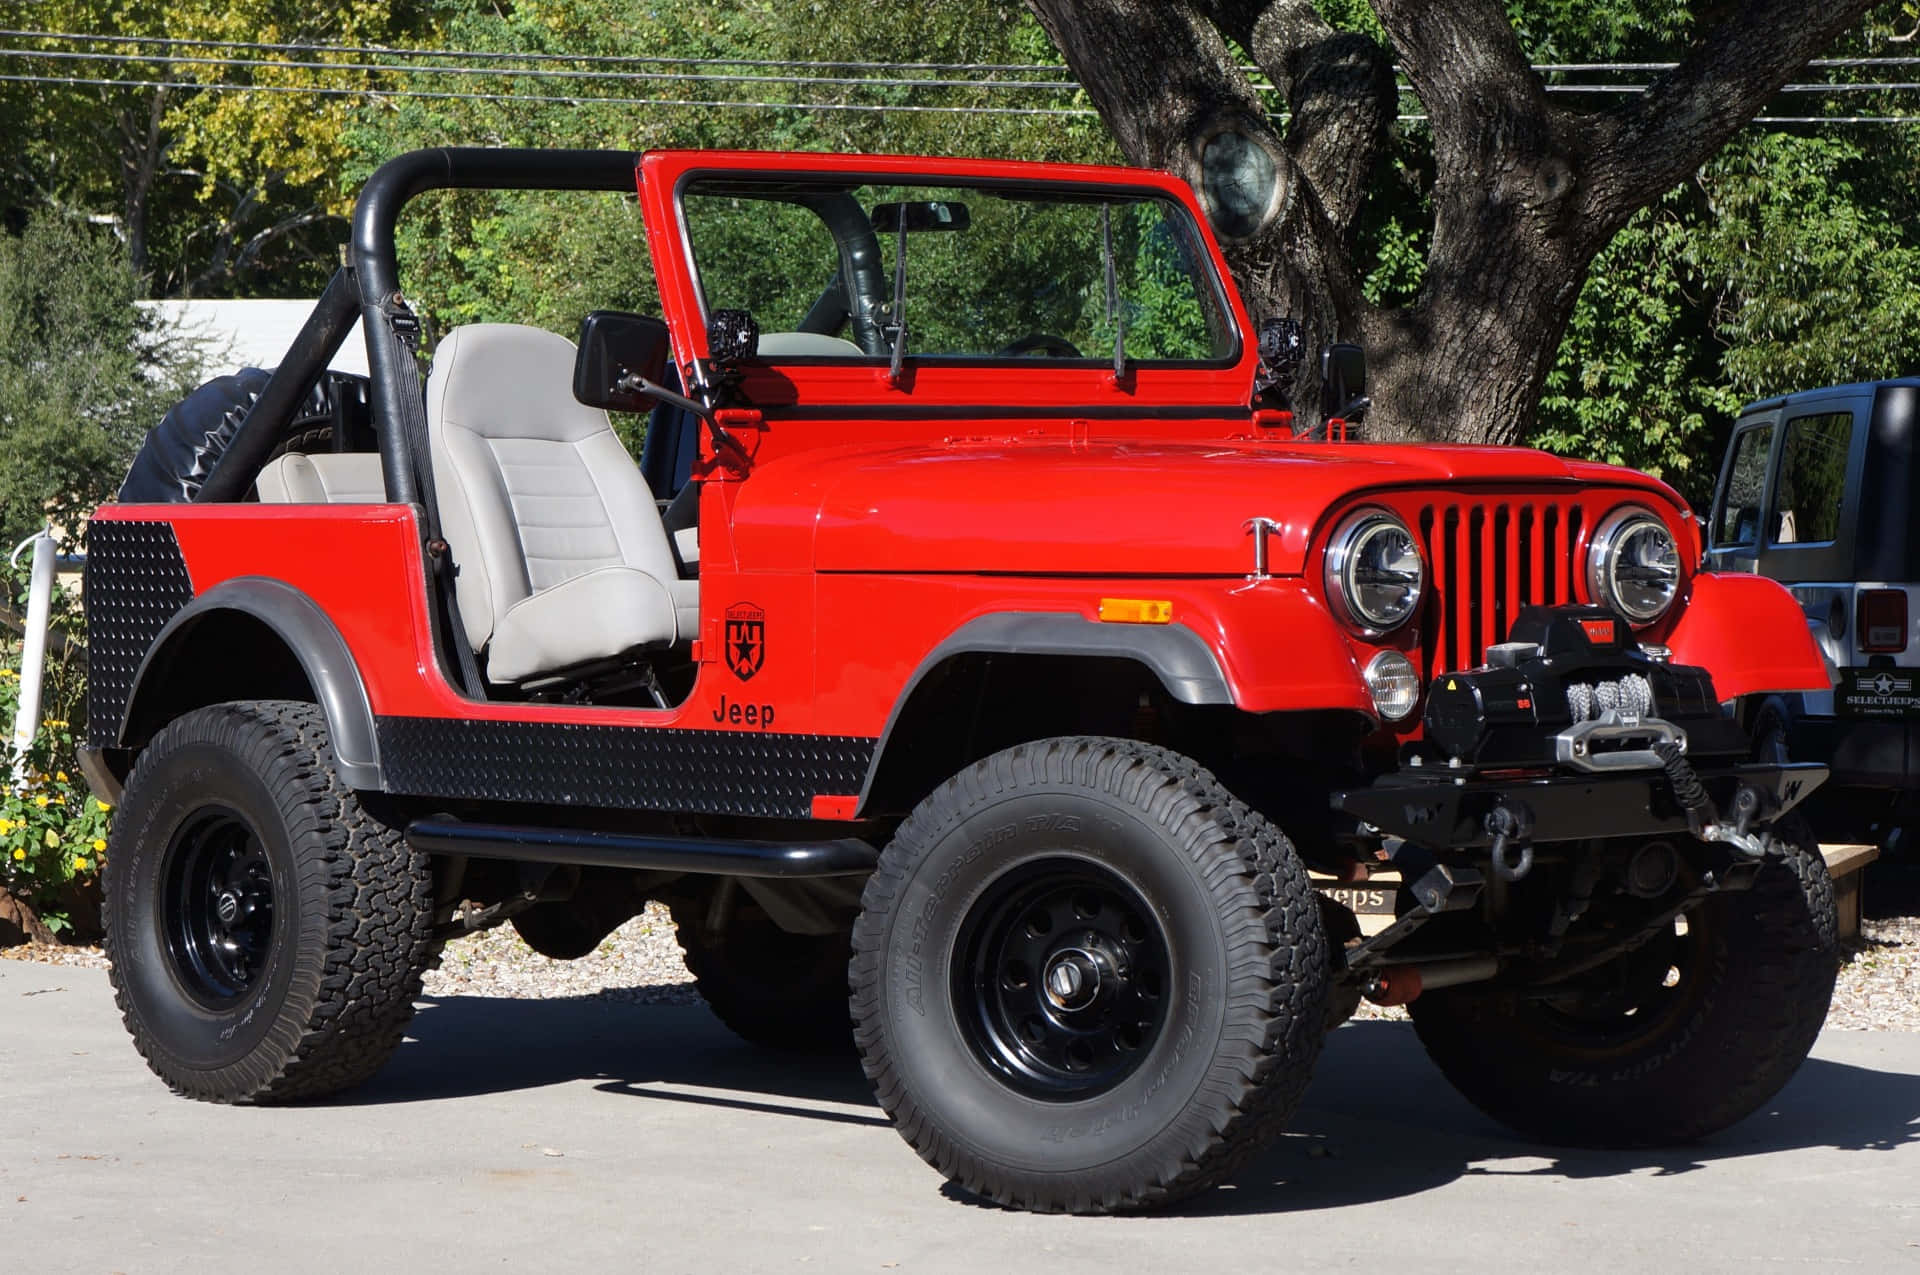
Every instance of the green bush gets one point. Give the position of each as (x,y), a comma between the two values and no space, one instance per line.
(52,830)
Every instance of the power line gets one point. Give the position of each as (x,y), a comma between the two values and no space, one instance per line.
(574,100)
(69,55)
(830,107)
(716,60)
(606,58)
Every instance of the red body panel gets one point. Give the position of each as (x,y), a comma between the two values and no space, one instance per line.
(1750,633)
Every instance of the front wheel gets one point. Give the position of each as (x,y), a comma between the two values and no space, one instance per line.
(267,935)
(1672,1042)
(1085,978)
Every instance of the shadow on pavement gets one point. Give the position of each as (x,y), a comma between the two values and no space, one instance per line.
(1378,1123)
(462,1046)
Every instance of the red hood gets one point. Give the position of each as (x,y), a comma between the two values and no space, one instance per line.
(1104,508)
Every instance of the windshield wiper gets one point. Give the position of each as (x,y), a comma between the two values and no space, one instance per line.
(899,304)
(1114,314)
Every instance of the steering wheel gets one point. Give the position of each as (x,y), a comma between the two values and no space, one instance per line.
(1042,342)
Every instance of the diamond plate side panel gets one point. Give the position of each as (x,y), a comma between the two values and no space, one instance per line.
(622,767)
(136,579)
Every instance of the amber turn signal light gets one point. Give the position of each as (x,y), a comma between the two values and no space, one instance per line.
(1136,611)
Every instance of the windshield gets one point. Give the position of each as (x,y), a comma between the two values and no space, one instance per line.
(1057,273)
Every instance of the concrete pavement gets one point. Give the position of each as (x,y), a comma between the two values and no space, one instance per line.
(589,1135)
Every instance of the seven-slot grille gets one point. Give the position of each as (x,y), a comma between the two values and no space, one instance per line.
(1485,561)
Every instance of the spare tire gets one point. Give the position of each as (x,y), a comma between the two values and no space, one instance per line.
(182,450)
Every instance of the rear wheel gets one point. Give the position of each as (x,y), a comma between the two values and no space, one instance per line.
(1087,979)
(1674,1041)
(267,935)
(770,987)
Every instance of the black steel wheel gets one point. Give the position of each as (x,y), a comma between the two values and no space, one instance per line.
(1061,981)
(1086,979)
(267,934)
(216,906)
(1673,1041)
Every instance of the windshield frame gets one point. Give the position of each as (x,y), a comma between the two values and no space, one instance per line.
(1197,246)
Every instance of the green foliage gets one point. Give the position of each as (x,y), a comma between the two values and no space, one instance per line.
(52,831)
(214,193)
(83,372)
(537,259)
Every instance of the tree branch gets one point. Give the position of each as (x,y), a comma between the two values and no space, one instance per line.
(1651,141)
(1340,90)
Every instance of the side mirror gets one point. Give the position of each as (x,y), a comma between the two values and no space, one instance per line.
(1343,382)
(619,355)
(923,214)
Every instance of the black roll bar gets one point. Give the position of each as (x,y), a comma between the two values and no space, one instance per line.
(369,288)
(313,347)
(378,209)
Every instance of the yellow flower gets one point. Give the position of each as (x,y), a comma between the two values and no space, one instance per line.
(104,805)
(52,839)
(79,864)
(99,845)
(41,801)
(61,775)
(19,853)
(59,801)
(6,826)
(53,723)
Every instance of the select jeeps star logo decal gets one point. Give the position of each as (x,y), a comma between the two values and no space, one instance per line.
(746,639)
(1887,684)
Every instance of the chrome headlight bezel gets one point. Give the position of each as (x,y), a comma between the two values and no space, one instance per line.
(1346,552)
(1610,547)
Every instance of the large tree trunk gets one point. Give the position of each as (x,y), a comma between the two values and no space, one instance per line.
(1525,193)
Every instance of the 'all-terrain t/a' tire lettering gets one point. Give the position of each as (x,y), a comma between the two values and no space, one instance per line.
(1085,978)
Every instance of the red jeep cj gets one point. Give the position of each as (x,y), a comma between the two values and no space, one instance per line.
(975,630)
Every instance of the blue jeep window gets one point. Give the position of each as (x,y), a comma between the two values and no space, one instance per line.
(1739,520)
(1813,479)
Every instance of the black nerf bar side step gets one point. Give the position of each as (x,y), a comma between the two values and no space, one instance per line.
(847,856)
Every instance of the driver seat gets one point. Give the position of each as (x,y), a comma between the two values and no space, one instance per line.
(560,555)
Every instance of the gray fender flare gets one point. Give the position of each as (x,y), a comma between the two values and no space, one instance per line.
(1177,655)
(314,641)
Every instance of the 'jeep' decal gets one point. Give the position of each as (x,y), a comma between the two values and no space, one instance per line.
(746,639)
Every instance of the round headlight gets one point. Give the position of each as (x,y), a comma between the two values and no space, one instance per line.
(1633,565)
(1374,571)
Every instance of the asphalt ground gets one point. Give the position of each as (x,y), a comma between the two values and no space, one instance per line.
(590,1134)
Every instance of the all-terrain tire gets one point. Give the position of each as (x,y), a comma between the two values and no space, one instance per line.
(1008,1075)
(306,988)
(1755,975)
(770,987)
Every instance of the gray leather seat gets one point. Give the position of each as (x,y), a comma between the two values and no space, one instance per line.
(560,553)
(325,478)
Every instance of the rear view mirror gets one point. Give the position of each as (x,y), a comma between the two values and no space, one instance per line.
(618,352)
(1343,381)
(924,214)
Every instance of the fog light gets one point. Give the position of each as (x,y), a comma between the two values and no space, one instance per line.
(1394,685)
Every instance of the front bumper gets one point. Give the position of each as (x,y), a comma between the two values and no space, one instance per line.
(1444,810)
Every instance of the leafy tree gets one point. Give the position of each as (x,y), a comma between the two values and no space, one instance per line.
(212,192)
(83,372)
(1524,191)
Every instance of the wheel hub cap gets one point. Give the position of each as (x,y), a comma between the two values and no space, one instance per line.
(1073,979)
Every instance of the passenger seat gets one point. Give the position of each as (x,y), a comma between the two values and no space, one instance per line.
(561,557)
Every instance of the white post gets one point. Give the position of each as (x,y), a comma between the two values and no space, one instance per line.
(33,648)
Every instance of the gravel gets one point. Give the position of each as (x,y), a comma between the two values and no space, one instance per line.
(640,963)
